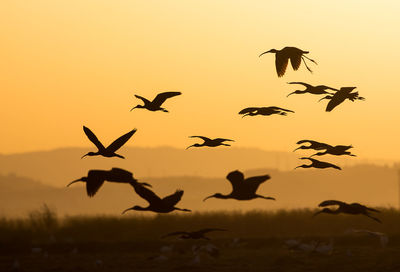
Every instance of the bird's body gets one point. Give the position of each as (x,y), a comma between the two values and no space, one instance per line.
(110,150)
(95,179)
(252,111)
(317,164)
(155,105)
(337,150)
(312,145)
(340,96)
(200,234)
(282,59)
(210,142)
(317,90)
(353,208)
(243,189)
(156,204)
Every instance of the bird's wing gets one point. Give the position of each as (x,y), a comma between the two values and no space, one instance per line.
(161,97)
(93,138)
(252,183)
(236,178)
(119,174)
(331,202)
(339,97)
(295,60)
(248,110)
(146,101)
(278,108)
(114,146)
(203,231)
(281,62)
(175,233)
(174,198)
(201,137)
(301,83)
(145,193)
(333,103)
(93,186)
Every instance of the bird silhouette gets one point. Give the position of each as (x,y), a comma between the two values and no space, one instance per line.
(340,96)
(243,189)
(313,145)
(337,150)
(252,111)
(199,234)
(317,164)
(110,150)
(282,58)
(156,204)
(155,105)
(353,208)
(319,89)
(210,142)
(95,179)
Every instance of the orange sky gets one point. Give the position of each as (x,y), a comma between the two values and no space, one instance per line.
(65,64)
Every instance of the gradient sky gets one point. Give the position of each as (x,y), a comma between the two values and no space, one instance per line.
(65,64)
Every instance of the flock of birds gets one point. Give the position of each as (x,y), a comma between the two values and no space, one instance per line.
(242,188)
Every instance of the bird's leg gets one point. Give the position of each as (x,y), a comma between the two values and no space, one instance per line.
(164,110)
(374,218)
(308,68)
(265,197)
(310,59)
(183,210)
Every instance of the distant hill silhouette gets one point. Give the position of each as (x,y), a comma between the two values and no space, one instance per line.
(371,185)
(59,167)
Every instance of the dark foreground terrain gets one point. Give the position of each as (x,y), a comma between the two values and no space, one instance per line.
(255,241)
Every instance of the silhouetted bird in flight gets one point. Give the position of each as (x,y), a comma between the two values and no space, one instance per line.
(313,145)
(96,178)
(200,234)
(155,105)
(317,164)
(243,189)
(353,208)
(210,142)
(340,96)
(319,89)
(110,150)
(156,204)
(282,58)
(252,111)
(337,150)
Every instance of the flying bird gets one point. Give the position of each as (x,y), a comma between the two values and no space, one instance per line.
(110,150)
(156,204)
(210,142)
(337,150)
(95,179)
(252,111)
(317,164)
(312,145)
(353,208)
(282,58)
(243,189)
(340,96)
(155,105)
(317,90)
(199,234)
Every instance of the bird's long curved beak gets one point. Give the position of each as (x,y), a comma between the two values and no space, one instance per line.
(315,214)
(297,148)
(264,53)
(84,156)
(133,108)
(74,182)
(290,94)
(207,197)
(189,146)
(326,97)
(126,210)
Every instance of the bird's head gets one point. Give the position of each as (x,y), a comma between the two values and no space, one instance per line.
(269,51)
(83,179)
(193,145)
(217,195)
(89,154)
(137,107)
(134,208)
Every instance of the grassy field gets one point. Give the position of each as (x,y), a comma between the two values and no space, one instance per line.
(255,241)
